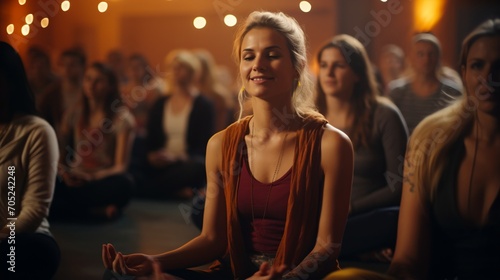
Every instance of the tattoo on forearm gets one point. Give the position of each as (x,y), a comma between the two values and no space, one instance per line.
(310,265)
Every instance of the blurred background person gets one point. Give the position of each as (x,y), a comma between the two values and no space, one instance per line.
(142,90)
(450,208)
(426,89)
(213,89)
(179,126)
(347,95)
(40,75)
(96,140)
(116,60)
(391,65)
(57,101)
(139,95)
(28,163)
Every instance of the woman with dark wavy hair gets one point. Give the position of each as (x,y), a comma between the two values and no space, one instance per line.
(348,96)
(95,149)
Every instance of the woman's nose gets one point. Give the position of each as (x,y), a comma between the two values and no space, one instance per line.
(259,64)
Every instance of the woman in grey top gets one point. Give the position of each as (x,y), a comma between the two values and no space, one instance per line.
(428,87)
(348,97)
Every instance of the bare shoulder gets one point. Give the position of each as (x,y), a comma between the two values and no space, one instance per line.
(215,142)
(214,149)
(334,140)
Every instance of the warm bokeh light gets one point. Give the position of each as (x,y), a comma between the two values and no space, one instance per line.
(22,2)
(10,28)
(44,22)
(305,6)
(230,20)
(383,0)
(65,6)
(428,13)
(25,30)
(199,22)
(102,7)
(29,19)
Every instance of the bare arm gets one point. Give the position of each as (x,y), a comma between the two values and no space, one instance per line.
(413,244)
(337,164)
(212,241)
(208,246)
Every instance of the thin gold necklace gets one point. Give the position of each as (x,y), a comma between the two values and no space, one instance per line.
(277,168)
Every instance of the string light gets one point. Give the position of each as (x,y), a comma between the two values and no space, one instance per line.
(29,19)
(199,22)
(230,20)
(25,30)
(305,6)
(22,2)
(65,6)
(10,28)
(102,7)
(44,22)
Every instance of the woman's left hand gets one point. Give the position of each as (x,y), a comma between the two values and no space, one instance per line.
(268,273)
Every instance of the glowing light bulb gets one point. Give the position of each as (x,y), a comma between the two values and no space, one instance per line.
(22,2)
(29,19)
(230,20)
(305,6)
(199,22)
(25,30)
(65,6)
(44,22)
(10,28)
(102,7)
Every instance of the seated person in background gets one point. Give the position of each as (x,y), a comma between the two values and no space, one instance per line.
(449,224)
(116,60)
(278,185)
(213,89)
(139,94)
(179,126)
(96,148)
(28,165)
(391,65)
(40,75)
(426,89)
(347,95)
(57,103)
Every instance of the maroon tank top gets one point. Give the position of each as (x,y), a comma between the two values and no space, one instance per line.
(263,233)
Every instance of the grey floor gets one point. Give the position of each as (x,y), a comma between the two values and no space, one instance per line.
(146,226)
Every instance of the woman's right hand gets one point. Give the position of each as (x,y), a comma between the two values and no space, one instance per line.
(133,264)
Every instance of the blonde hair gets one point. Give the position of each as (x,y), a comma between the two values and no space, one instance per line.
(302,97)
(433,138)
(187,58)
